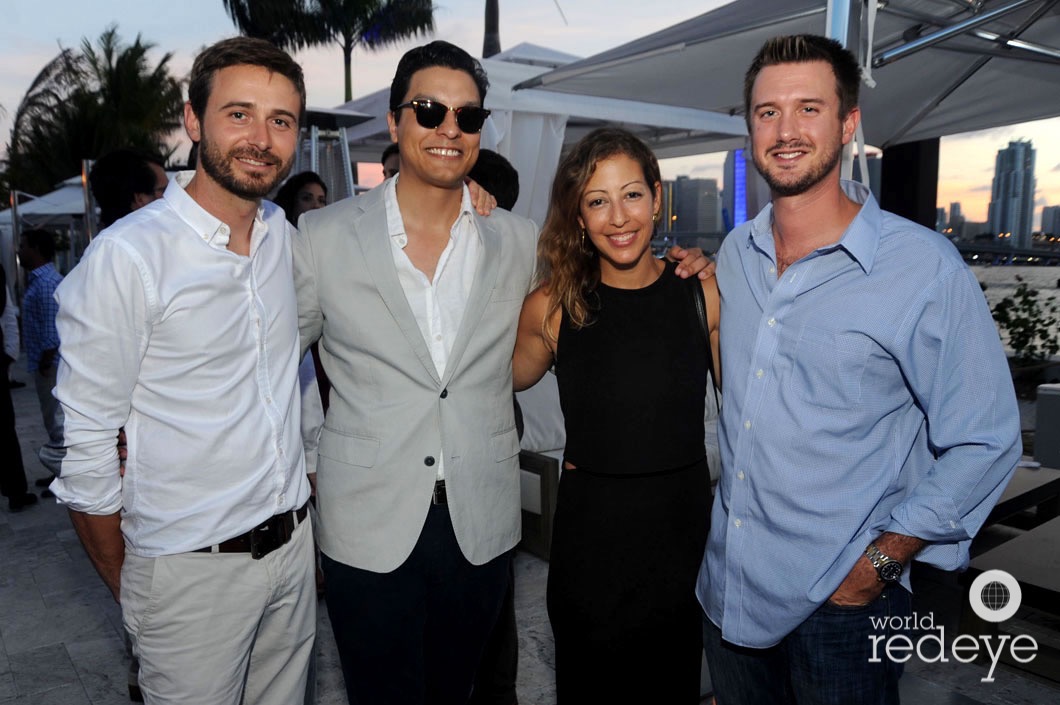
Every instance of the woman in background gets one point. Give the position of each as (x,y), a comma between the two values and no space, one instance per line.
(631,348)
(305,191)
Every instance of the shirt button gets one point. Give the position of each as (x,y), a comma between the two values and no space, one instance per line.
(268,400)
(737,523)
(739,475)
(772,270)
(445,393)
(747,425)
(771,322)
(760,374)
(281,499)
(429,460)
(438,338)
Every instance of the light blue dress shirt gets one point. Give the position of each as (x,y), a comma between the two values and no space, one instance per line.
(866,391)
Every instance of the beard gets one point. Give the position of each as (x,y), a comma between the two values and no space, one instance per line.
(218,166)
(816,173)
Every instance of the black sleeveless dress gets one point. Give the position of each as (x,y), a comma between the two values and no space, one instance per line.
(632,517)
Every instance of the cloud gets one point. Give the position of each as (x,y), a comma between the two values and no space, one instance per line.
(981,187)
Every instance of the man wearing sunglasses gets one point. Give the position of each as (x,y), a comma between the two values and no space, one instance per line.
(415,298)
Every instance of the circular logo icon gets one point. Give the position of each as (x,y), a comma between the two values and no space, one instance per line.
(995,596)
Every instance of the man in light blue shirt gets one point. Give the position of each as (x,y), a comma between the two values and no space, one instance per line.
(869,413)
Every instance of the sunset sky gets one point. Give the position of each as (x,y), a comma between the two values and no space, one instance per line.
(33,32)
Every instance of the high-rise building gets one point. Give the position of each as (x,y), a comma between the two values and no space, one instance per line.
(940,219)
(697,205)
(1011,211)
(955,224)
(1051,220)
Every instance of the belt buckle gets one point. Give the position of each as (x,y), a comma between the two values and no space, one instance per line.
(266,538)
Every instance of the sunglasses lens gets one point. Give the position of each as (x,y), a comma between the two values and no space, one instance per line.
(471,119)
(429,114)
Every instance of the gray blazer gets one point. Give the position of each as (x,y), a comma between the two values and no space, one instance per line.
(390,412)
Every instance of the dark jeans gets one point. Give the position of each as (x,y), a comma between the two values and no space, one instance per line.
(415,635)
(495,680)
(825,661)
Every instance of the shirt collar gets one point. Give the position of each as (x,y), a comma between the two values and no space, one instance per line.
(212,230)
(396,226)
(43,270)
(861,239)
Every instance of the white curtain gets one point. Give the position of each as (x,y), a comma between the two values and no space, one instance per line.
(532,143)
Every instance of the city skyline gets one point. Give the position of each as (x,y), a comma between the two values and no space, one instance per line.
(34,32)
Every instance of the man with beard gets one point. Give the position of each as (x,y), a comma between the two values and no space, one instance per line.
(869,414)
(180,324)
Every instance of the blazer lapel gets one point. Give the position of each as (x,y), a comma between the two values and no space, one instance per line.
(371,229)
(481,288)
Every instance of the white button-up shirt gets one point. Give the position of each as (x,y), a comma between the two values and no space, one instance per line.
(438,305)
(194,349)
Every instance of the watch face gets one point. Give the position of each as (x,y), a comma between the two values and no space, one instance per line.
(890,572)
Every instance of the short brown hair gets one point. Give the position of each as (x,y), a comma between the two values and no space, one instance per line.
(240,51)
(803,48)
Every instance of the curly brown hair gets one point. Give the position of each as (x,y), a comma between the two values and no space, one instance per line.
(569,264)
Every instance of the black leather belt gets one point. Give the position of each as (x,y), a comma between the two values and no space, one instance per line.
(439,493)
(264,538)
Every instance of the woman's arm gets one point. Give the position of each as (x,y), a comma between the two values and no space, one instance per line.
(713,301)
(533,352)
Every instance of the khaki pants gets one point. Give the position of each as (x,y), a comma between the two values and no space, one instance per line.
(207,627)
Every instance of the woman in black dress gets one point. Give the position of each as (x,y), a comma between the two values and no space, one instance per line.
(631,352)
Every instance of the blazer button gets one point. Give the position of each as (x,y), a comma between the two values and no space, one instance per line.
(429,460)
(445,393)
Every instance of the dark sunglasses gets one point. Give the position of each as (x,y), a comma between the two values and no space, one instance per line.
(430,114)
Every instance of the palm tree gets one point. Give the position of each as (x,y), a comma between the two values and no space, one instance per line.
(296,24)
(83,104)
(491,38)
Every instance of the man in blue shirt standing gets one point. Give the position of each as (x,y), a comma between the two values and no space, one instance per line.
(869,414)
(36,251)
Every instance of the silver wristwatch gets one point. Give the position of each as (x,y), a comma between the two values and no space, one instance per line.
(888,569)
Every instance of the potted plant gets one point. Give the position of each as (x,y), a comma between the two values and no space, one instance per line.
(1031,324)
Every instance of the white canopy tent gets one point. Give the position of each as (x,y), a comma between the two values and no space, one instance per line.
(530,127)
(63,208)
(939,67)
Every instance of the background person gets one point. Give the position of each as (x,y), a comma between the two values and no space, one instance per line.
(36,251)
(391,160)
(123,181)
(497,175)
(631,354)
(869,413)
(304,191)
(12,472)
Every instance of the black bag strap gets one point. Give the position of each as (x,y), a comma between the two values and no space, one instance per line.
(701,314)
